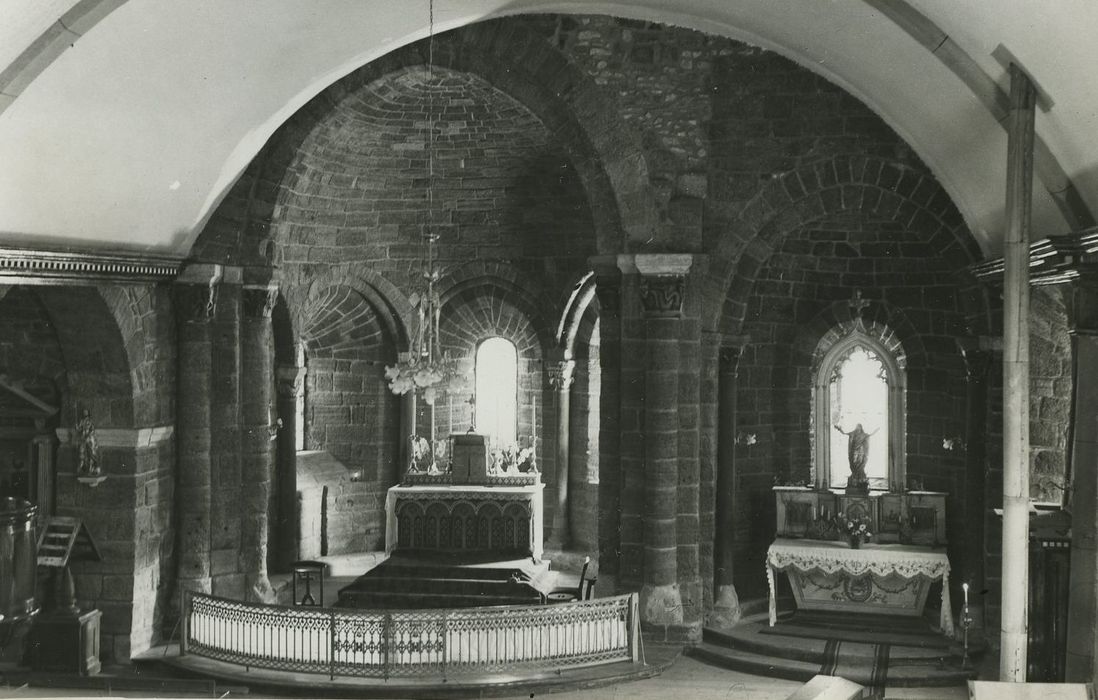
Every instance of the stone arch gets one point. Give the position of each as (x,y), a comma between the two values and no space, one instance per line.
(839,185)
(522,289)
(99,372)
(606,153)
(143,319)
(580,301)
(394,310)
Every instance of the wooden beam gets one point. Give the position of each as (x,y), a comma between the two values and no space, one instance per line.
(1019,193)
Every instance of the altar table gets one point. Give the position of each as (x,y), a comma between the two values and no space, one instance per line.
(876,560)
(468,518)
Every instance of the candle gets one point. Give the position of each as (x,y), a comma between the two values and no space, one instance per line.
(964,587)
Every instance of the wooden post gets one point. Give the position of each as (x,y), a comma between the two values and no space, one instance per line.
(1019,191)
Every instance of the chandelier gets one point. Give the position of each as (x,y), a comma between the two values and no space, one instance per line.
(426,368)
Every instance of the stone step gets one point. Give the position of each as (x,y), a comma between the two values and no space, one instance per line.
(751,637)
(397,600)
(905,673)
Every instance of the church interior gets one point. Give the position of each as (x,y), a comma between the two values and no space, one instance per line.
(761,331)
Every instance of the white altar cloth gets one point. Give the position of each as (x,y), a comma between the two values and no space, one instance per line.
(879,559)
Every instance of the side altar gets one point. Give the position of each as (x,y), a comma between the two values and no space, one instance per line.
(829,569)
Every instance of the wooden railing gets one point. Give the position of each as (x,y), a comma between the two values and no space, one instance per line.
(403,643)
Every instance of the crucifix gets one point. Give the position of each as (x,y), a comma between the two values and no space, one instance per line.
(857,303)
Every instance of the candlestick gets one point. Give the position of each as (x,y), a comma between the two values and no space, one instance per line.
(964,587)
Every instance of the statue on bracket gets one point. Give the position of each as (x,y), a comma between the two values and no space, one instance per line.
(858,450)
(89,446)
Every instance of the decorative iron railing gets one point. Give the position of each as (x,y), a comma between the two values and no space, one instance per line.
(402,643)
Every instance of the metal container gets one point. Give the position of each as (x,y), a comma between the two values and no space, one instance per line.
(18,560)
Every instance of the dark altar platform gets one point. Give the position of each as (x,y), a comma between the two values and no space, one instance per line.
(448,580)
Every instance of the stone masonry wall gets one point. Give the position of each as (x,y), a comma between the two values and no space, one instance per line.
(350,415)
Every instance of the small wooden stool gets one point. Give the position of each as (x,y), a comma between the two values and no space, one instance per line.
(307,572)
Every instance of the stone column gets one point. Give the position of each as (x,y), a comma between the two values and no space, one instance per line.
(290,382)
(225,516)
(407,425)
(561,373)
(978,363)
(1082,642)
(662,287)
(257,436)
(608,290)
(726,603)
(195,303)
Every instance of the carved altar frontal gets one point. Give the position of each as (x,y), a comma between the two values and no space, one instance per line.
(504,520)
(890,579)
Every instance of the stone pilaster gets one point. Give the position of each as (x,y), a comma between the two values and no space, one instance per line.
(259,429)
(195,303)
(608,290)
(225,449)
(290,382)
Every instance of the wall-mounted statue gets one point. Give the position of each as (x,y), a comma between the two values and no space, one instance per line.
(89,446)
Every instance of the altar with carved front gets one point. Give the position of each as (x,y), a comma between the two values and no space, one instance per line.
(860,553)
(892,579)
(480,504)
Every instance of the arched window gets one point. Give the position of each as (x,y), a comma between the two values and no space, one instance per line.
(858,410)
(497,391)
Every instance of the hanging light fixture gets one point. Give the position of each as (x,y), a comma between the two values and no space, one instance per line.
(426,368)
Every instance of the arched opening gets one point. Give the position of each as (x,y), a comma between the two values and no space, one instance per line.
(858,413)
(496,372)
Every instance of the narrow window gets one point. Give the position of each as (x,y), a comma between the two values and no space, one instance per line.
(497,391)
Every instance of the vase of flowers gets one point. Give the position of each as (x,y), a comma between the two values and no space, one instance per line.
(856,528)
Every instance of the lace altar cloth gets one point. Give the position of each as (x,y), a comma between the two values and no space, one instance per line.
(877,559)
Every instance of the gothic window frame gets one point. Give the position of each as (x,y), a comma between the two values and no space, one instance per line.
(833,349)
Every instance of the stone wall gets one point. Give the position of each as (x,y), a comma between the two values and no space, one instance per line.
(1049,393)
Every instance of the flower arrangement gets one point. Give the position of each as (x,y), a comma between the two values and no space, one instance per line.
(513,457)
(856,527)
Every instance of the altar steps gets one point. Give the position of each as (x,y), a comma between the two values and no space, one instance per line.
(406,581)
(907,659)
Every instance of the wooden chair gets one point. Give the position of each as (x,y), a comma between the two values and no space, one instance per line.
(583,590)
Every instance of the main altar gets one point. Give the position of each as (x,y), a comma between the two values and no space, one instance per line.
(481,505)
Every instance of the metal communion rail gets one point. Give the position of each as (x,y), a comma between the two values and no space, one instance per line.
(407,643)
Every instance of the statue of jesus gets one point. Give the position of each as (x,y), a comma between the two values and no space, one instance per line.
(858,452)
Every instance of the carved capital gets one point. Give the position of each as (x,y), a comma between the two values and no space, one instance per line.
(561,374)
(662,296)
(729,358)
(290,381)
(259,301)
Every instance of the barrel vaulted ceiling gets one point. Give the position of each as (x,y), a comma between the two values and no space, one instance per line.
(123,123)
